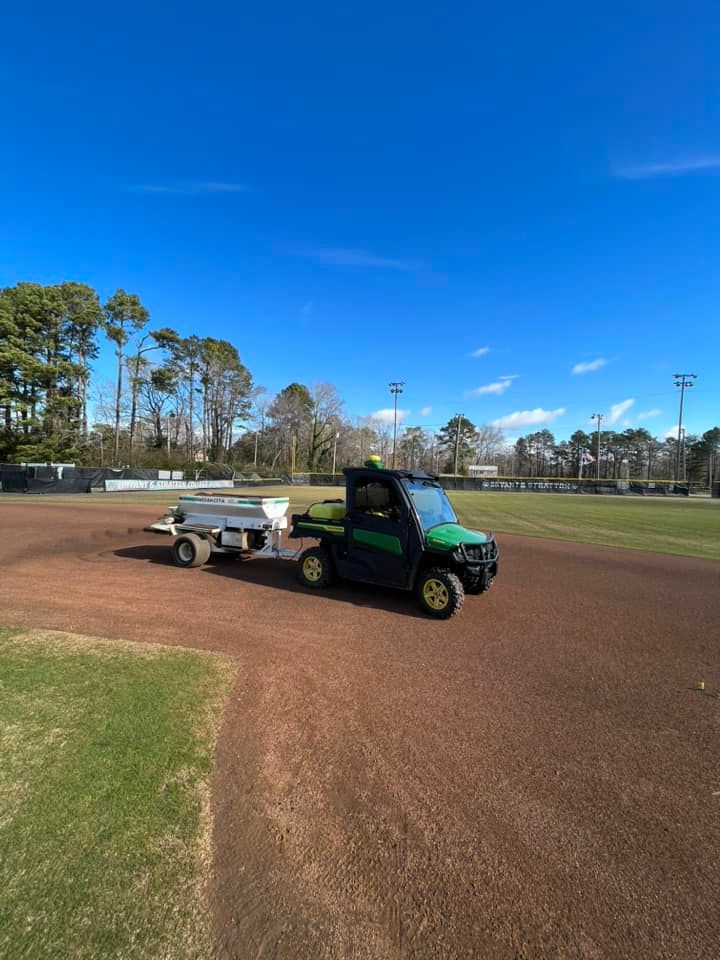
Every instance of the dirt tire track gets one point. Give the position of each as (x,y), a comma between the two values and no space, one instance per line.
(535,778)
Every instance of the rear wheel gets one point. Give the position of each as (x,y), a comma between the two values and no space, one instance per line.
(314,568)
(190,550)
(440,593)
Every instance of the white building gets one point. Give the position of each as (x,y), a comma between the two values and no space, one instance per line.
(482,470)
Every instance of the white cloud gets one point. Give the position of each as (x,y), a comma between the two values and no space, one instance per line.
(480,352)
(387,415)
(672,168)
(509,376)
(498,387)
(527,418)
(191,188)
(671,433)
(426,411)
(647,414)
(307,308)
(617,410)
(588,367)
(343,257)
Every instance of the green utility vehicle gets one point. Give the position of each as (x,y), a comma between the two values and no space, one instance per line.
(396,528)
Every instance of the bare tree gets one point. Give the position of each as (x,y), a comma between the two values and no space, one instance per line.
(488,443)
(325,420)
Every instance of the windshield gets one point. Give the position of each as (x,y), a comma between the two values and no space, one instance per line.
(431,503)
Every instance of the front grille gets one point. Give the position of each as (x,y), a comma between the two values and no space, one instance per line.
(479,552)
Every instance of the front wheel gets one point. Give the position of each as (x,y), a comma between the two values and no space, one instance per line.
(314,568)
(440,593)
(479,582)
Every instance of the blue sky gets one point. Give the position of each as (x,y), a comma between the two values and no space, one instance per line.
(359,193)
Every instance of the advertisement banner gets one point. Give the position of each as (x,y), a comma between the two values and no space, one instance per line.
(518,484)
(545,486)
(114,486)
(558,485)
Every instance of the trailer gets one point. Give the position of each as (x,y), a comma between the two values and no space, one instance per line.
(205,524)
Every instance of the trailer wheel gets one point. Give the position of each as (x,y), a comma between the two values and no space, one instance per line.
(440,593)
(314,568)
(190,550)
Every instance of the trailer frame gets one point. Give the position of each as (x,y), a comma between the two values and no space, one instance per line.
(229,534)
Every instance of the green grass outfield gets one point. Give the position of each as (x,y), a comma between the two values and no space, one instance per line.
(106,751)
(687,527)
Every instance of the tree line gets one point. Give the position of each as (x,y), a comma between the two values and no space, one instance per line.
(187,395)
(633,453)
(178,400)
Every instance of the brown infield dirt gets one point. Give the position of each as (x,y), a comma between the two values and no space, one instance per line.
(538,777)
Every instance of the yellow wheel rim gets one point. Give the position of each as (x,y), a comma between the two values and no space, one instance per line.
(435,594)
(312,569)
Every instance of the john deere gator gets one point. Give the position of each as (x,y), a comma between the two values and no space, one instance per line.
(396,528)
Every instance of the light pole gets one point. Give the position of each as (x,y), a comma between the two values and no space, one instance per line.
(458,420)
(684,462)
(599,417)
(337,434)
(682,380)
(396,387)
(170,418)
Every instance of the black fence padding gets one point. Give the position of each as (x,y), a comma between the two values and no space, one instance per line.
(42,473)
(652,489)
(317,480)
(58,486)
(603,489)
(12,468)
(558,485)
(139,473)
(275,482)
(715,492)
(13,481)
(513,485)
(96,475)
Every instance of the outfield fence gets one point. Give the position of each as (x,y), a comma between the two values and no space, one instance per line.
(580,485)
(17,478)
(643,488)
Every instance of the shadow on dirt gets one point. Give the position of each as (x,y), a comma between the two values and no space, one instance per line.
(280,575)
(151,553)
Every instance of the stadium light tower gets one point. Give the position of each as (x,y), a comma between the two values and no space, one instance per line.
(599,417)
(396,387)
(337,437)
(459,417)
(682,380)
